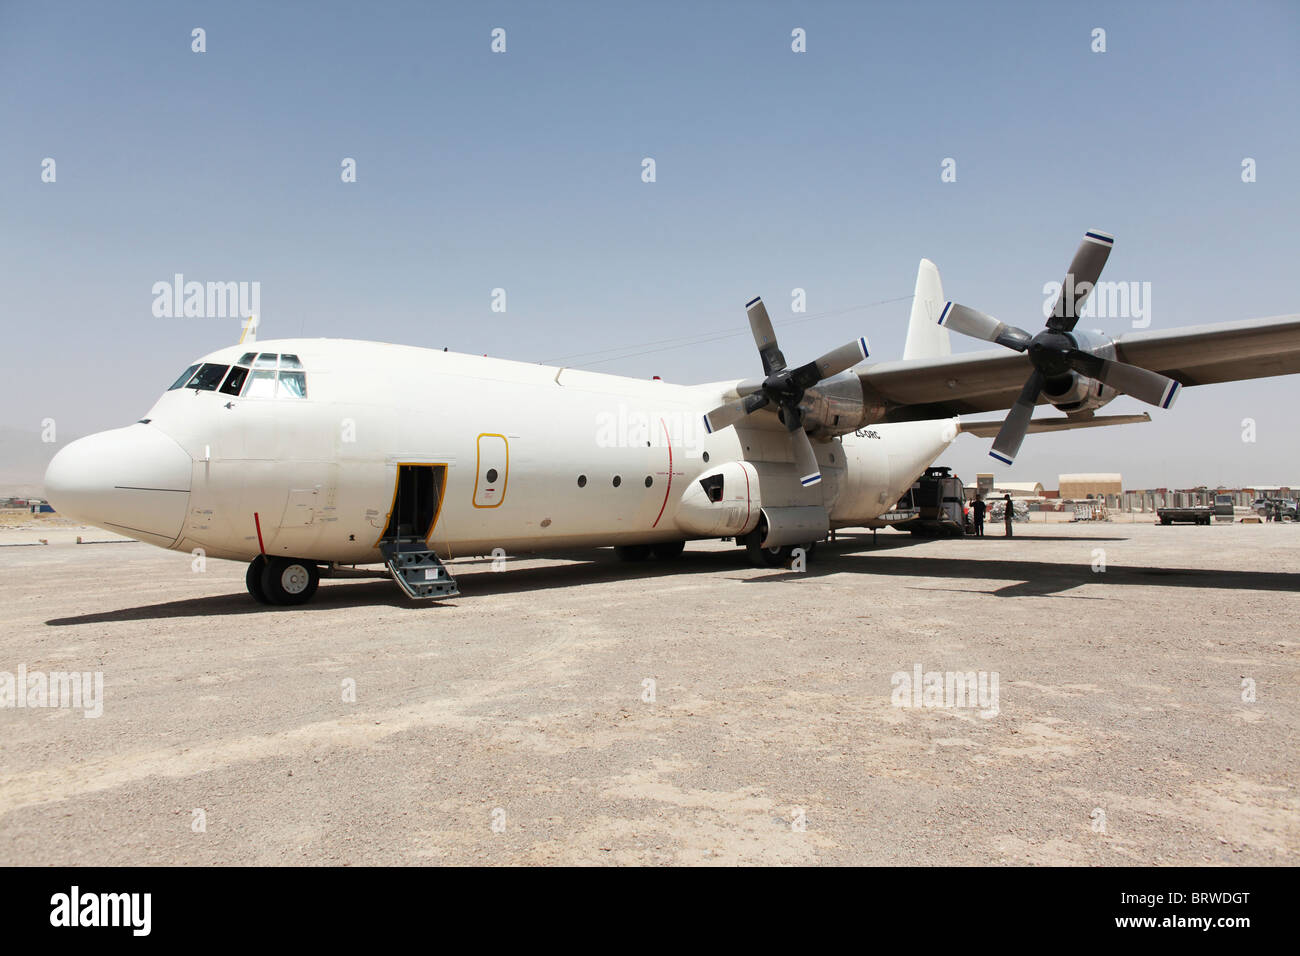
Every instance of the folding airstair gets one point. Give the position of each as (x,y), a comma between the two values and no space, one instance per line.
(417,570)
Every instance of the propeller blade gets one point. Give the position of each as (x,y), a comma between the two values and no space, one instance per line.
(732,412)
(832,363)
(979,325)
(1143,384)
(1016,424)
(1085,270)
(805,459)
(764,336)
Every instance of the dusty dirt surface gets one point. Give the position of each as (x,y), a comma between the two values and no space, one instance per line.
(513,725)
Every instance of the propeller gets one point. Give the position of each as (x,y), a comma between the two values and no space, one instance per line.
(1054,352)
(784,387)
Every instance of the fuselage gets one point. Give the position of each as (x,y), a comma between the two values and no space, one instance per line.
(530,457)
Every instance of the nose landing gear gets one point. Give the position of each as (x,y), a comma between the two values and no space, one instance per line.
(281,581)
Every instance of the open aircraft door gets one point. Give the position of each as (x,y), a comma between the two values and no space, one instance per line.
(417,502)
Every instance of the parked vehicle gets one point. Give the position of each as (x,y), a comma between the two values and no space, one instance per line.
(1224,509)
(1262,507)
(939,498)
(1196,514)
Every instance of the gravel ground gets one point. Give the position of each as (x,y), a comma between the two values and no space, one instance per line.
(514,725)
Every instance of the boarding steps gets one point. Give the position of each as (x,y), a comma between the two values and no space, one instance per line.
(417,570)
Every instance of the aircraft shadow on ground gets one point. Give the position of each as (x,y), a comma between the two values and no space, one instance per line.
(848,554)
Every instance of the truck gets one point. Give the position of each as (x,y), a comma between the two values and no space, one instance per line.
(938,499)
(1195,514)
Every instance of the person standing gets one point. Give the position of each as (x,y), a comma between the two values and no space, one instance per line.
(979,508)
(1010,513)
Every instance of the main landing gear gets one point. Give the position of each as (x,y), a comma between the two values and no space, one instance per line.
(281,581)
(780,557)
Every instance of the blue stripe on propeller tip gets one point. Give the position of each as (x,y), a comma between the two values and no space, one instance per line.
(1001,458)
(1170,395)
(750,303)
(862,343)
(944,314)
(1100,237)
(807,480)
(707,429)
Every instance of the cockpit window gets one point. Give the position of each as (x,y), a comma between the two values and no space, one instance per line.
(185,377)
(208,377)
(234,381)
(272,376)
(292,385)
(261,385)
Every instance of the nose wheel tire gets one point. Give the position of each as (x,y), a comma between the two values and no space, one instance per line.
(288,581)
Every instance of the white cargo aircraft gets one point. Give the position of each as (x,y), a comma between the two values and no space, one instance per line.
(316,456)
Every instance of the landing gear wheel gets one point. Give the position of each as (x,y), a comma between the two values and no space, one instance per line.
(632,552)
(289,581)
(253,579)
(770,557)
(667,550)
(781,557)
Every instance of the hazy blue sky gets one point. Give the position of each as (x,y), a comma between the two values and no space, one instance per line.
(522,170)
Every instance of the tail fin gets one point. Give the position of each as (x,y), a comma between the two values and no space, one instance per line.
(926,338)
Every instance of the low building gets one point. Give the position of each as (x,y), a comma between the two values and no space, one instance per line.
(1097,485)
(1018,489)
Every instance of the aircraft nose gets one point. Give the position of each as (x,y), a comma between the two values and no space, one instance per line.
(134,480)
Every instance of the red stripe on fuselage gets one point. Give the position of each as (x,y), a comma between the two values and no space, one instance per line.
(669,489)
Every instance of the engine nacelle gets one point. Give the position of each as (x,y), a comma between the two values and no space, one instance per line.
(1072,392)
(797,526)
(837,406)
(723,502)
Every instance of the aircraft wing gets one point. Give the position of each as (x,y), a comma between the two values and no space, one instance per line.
(919,389)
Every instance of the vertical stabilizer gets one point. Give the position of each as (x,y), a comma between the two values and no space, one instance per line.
(926,338)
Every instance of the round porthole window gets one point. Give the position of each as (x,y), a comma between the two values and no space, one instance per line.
(491,475)
(706,457)
(649,481)
(582,481)
(617,481)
